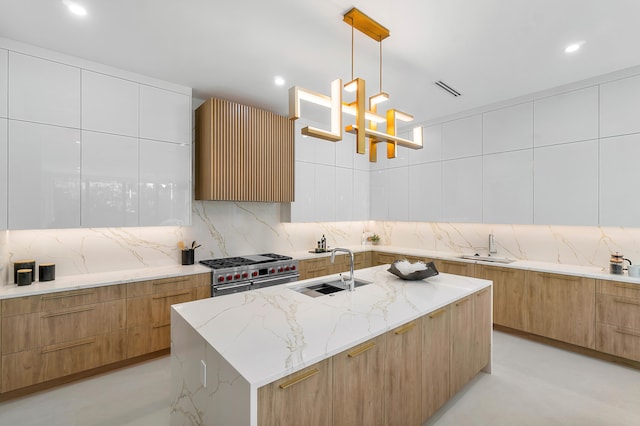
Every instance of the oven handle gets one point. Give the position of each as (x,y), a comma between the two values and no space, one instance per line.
(232,285)
(279,278)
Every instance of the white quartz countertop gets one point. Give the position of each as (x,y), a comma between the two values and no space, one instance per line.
(75,282)
(269,333)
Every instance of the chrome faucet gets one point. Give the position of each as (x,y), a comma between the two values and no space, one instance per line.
(350,282)
(492,245)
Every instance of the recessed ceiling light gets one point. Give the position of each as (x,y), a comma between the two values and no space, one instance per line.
(574,47)
(75,8)
(279,81)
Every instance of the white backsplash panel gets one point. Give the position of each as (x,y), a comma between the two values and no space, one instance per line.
(231,228)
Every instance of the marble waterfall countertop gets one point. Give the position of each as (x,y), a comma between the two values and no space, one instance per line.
(269,333)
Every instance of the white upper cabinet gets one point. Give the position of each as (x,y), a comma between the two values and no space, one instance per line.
(44,176)
(165,183)
(462,190)
(361,195)
(431,146)
(109,180)
(619,177)
(109,104)
(43,91)
(325,193)
(379,187)
(462,138)
(3,173)
(619,106)
(425,192)
(566,184)
(508,187)
(302,209)
(567,117)
(165,115)
(508,129)
(4,64)
(343,194)
(398,190)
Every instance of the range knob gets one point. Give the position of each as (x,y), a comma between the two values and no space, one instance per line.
(286,268)
(272,271)
(245,275)
(280,269)
(220,279)
(229,277)
(237,277)
(293,267)
(254,274)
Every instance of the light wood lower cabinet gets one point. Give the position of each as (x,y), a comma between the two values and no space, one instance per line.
(149,310)
(561,307)
(509,292)
(435,360)
(302,398)
(456,268)
(618,319)
(358,384)
(321,266)
(403,375)
(482,307)
(462,344)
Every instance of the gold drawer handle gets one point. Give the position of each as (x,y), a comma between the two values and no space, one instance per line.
(177,281)
(480,293)
(627,286)
(68,346)
(75,294)
(559,277)
(362,349)
(69,312)
(166,296)
(627,332)
(628,302)
(405,328)
(162,325)
(437,313)
(299,378)
(462,301)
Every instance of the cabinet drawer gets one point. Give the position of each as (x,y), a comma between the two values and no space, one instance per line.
(456,268)
(362,260)
(156,308)
(38,365)
(148,338)
(61,300)
(164,285)
(618,311)
(615,288)
(619,341)
(24,332)
(385,258)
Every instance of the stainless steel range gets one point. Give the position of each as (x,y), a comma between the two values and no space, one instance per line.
(242,273)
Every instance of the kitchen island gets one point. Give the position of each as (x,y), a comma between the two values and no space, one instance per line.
(230,356)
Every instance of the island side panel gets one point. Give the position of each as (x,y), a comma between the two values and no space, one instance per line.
(204,393)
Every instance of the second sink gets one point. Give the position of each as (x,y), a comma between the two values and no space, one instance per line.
(323,288)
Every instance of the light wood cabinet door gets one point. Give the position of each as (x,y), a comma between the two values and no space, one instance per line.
(403,375)
(455,268)
(358,384)
(302,398)
(509,303)
(312,268)
(620,341)
(435,361)
(381,258)
(482,327)
(561,307)
(462,344)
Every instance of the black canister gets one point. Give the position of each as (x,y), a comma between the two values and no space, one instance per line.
(47,271)
(188,256)
(24,276)
(24,264)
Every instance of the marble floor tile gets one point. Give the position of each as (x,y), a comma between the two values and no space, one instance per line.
(531,384)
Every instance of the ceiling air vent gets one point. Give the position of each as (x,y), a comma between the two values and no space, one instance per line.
(444,86)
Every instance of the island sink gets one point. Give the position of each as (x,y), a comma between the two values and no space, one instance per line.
(318,289)
(494,259)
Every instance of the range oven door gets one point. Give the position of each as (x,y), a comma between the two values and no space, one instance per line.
(221,290)
(267,282)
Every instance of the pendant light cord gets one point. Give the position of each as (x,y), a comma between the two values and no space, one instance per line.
(380,42)
(352,30)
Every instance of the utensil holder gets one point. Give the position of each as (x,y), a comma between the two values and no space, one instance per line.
(188,256)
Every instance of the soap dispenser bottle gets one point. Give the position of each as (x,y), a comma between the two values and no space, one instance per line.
(323,243)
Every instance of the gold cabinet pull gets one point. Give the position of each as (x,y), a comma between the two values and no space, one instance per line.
(68,312)
(174,281)
(74,294)
(166,296)
(56,348)
(437,313)
(559,276)
(460,302)
(161,325)
(362,349)
(405,328)
(628,301)
(299,378)
(627,332)
(627,286)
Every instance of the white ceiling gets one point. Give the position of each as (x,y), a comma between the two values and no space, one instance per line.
(490,50)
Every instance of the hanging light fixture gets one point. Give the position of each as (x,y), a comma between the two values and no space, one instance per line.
(373,29)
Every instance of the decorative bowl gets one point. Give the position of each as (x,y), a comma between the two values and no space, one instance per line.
(429,271)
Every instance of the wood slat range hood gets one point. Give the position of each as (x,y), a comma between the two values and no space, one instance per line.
(243,153)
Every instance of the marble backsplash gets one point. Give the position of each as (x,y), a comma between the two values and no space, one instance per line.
(229,228)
